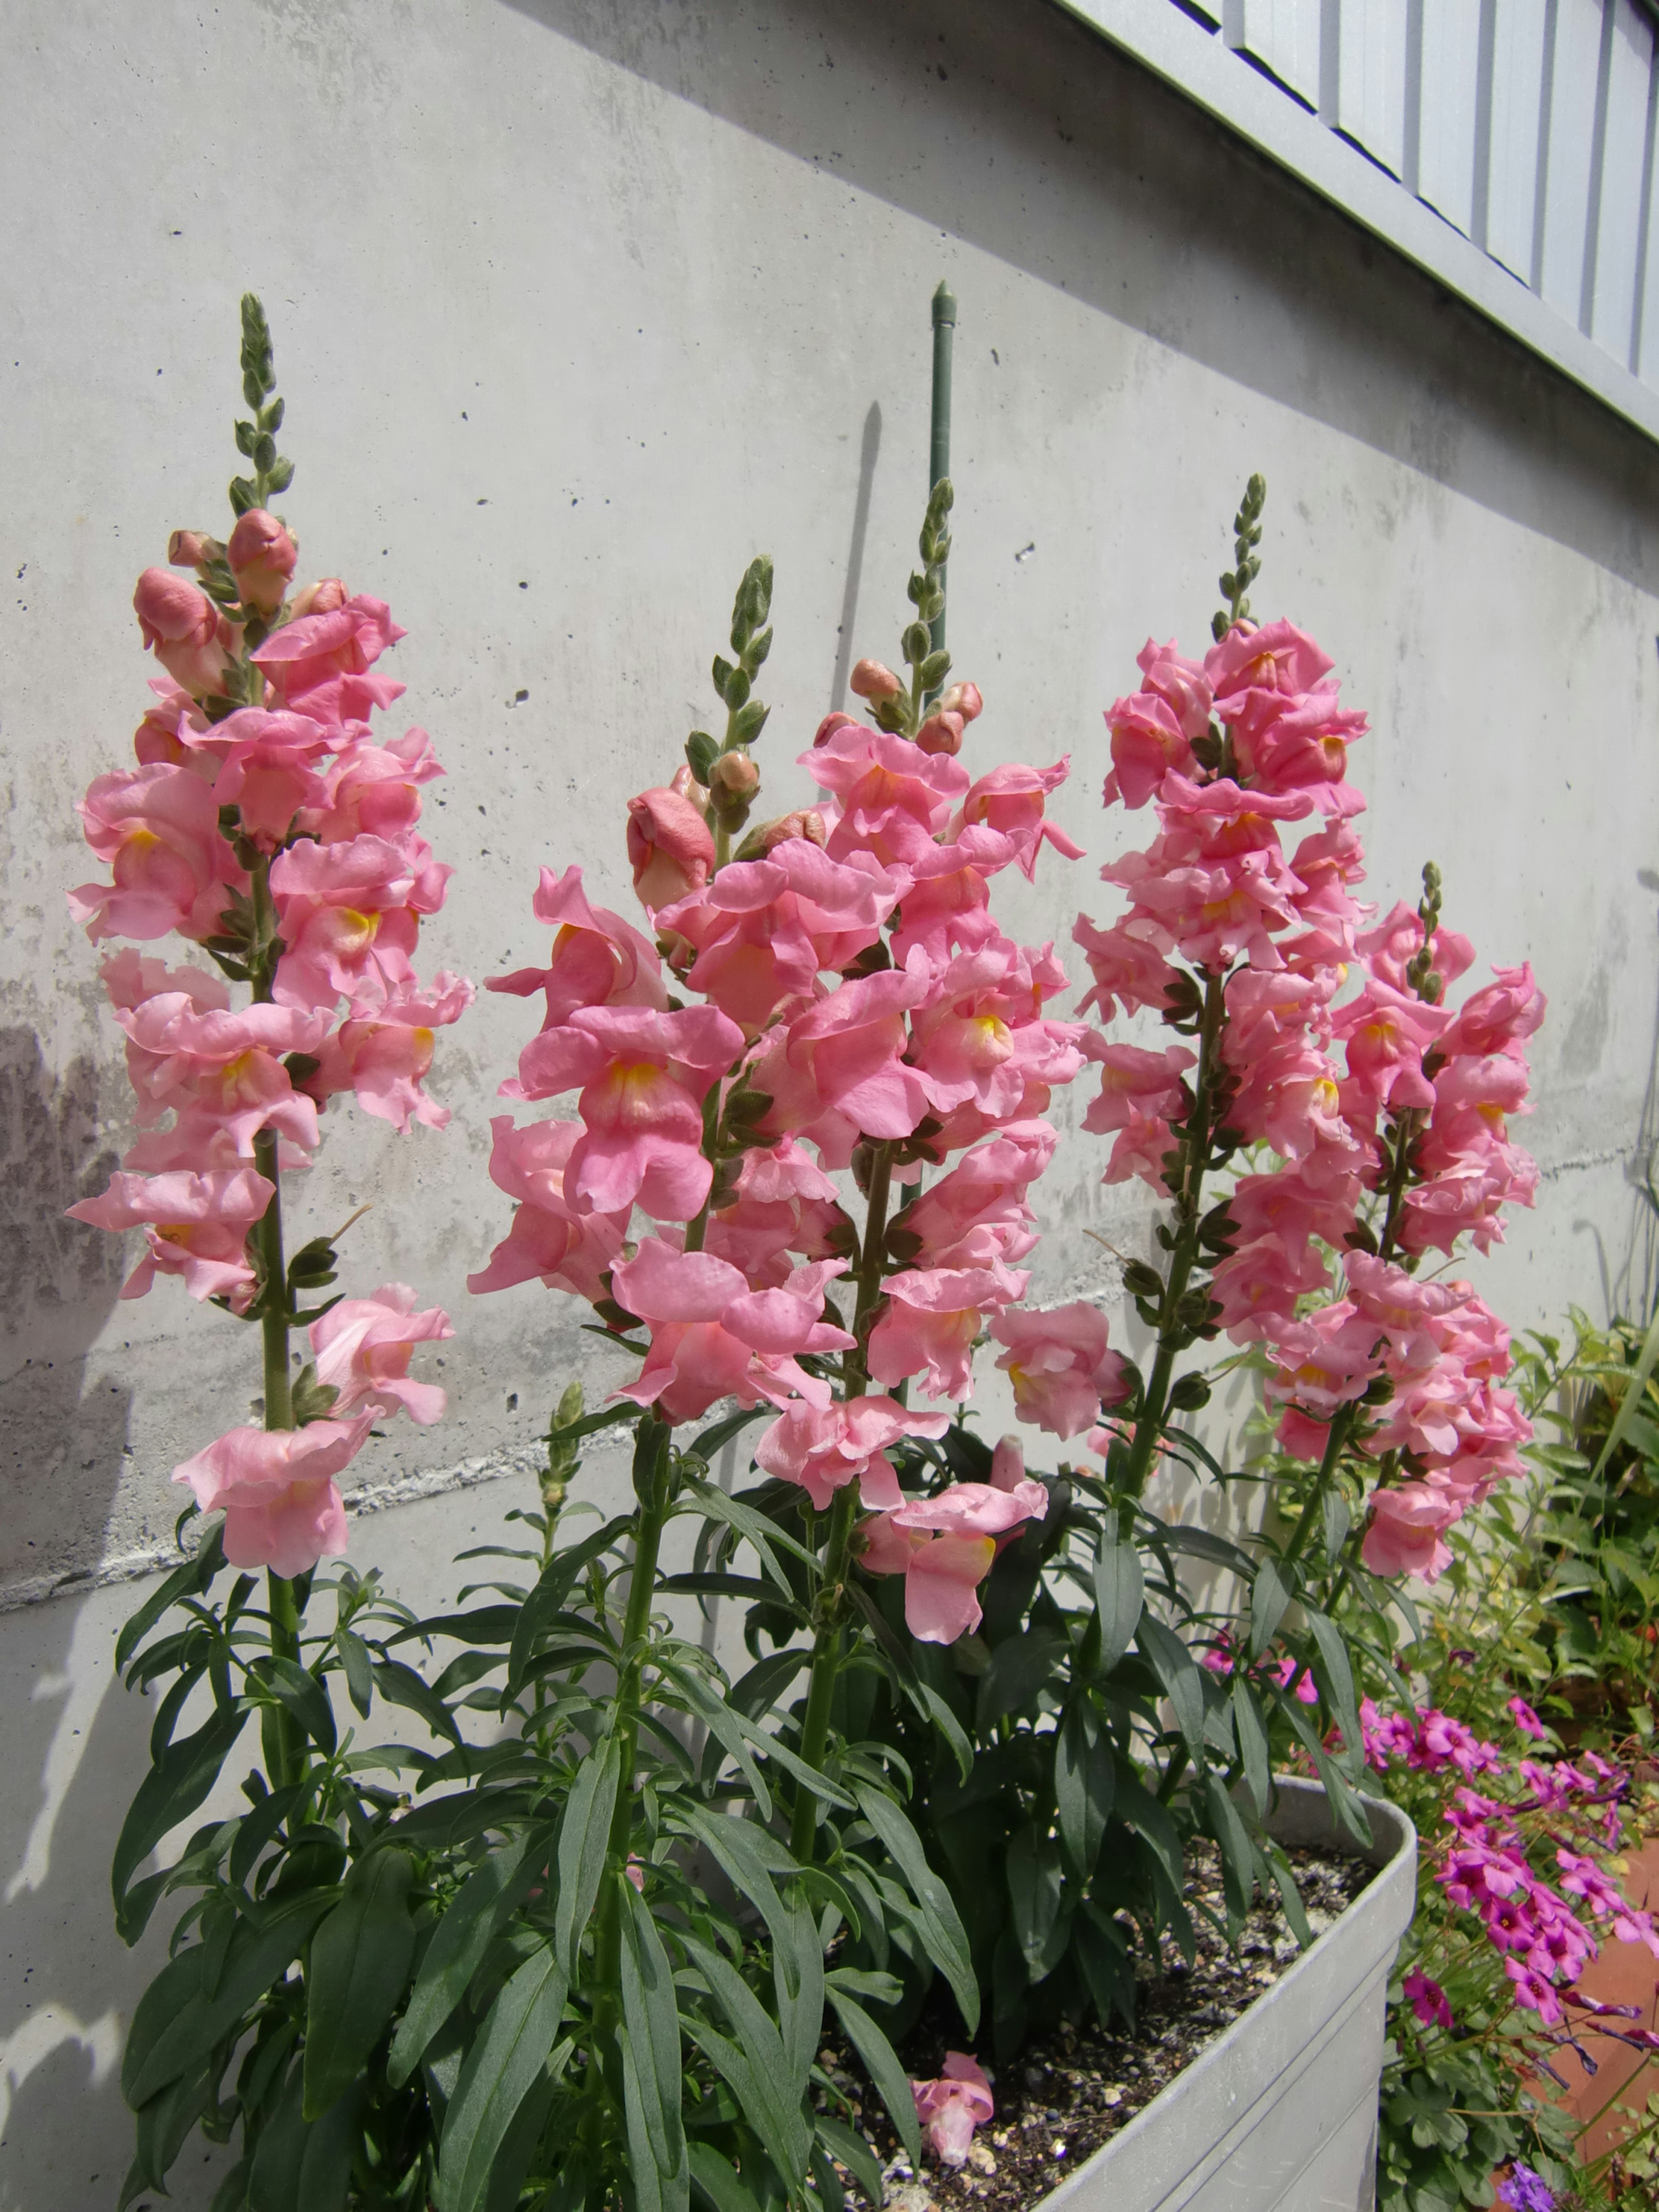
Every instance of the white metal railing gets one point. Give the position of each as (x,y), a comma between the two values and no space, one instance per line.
(1507,145)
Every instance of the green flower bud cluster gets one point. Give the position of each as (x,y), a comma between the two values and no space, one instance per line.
(926,591)
(1247,563)
(257,440)
(722,765)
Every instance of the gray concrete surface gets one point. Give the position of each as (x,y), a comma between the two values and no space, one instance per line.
(576,306)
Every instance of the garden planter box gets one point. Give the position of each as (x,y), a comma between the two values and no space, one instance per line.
(1278,2114)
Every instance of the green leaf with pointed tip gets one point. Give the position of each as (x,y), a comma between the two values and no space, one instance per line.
(1119,1588)
(360,1962)
(947,1941)
(881,2063)
(505,2061)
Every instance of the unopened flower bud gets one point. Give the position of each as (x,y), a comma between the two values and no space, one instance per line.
(185,629)
(262,555)
(962,699)
(687,786)
(806,821)
(192,548)
(830,723)
(669,848)
(325,597)
(732,783)
(873,680)
(940,734)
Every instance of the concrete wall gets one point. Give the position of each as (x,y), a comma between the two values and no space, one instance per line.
(576,306)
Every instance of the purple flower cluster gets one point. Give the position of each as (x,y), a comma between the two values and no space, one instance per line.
(1545,1928)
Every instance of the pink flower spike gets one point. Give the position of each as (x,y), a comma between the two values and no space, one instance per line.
(276,1490)
(951,2107)
(362,1347)
(195,1226)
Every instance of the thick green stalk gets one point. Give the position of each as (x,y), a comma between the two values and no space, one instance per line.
(1188,1211)
(650,1485)
(283,1738)
(843,1513)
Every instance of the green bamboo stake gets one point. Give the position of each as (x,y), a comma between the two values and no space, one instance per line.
(938,461)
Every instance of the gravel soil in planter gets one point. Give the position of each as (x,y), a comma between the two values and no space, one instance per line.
(1099,2121)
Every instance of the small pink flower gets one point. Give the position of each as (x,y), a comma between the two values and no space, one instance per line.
(643,1076)
(598,960)
(873,679)
(194,1225)
(1524,1718)
(276,1490)
(550,1240)
(261,557)
(951,2107)
(1011,801)
(824,1447)
(1059,1366)
(383,1057)
(1130,970)
(348,921)
(189,636)
(838,1071)
(712,1336)
(944,1548)
(669,848)
(318,664)
(894,799)
(1407,1524)
(157,828)
(1428,2001)
(270,770)
(362,1347)
(932,1317)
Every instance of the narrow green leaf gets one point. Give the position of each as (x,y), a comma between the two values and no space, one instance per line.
(502,2068)
(360,1962)
(303,1695)
(559,1577)
(947,1940)
(175,2025)
(950,1729)
(1019,1667)
(1084,1778)
(470,1921)
(400,1685)
(651,2014)
(754,2066)
(1035,1886)
(881,2063)
(723,1724)
(354,1659)
(1631,1405)
(1270,1596)
(1177,1670)
(716,2183)
(583,1837)
(1252,1731)
(1338,1685)
(1237,1860)
(170,1793)
(188,1580)
(855,2153)
(1120,1591)
(735,1847)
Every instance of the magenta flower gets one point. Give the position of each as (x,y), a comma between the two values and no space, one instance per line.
(1524,1718)
(1428,2001)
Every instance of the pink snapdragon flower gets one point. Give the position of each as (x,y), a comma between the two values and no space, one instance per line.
(551,1240)
(978,1211)
(349,921)
(643,1077)
(318,662)
(263,558)
(933,1318)
(944,1548)
(383,1057)
(157,828)
(271,768)
(951,2107)
(1061,1367)
(670,848)
(980,1040)
(1011,800)
(1127,964)
(598,960)
(187,633)
(1405,1535)
(194,1225)
(838,1070)
(761,931)
(823,1448)
(275,1488)
(893,800)
(712,1337)
(1394,941)
(373,790)
(362,1348)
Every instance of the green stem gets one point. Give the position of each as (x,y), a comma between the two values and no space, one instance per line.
(283,1738)
(831,1605)
(1196,1160)
(1336,1438)
(652,1485)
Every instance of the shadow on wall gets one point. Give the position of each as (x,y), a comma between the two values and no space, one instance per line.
(64,1430)
(1007,124)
